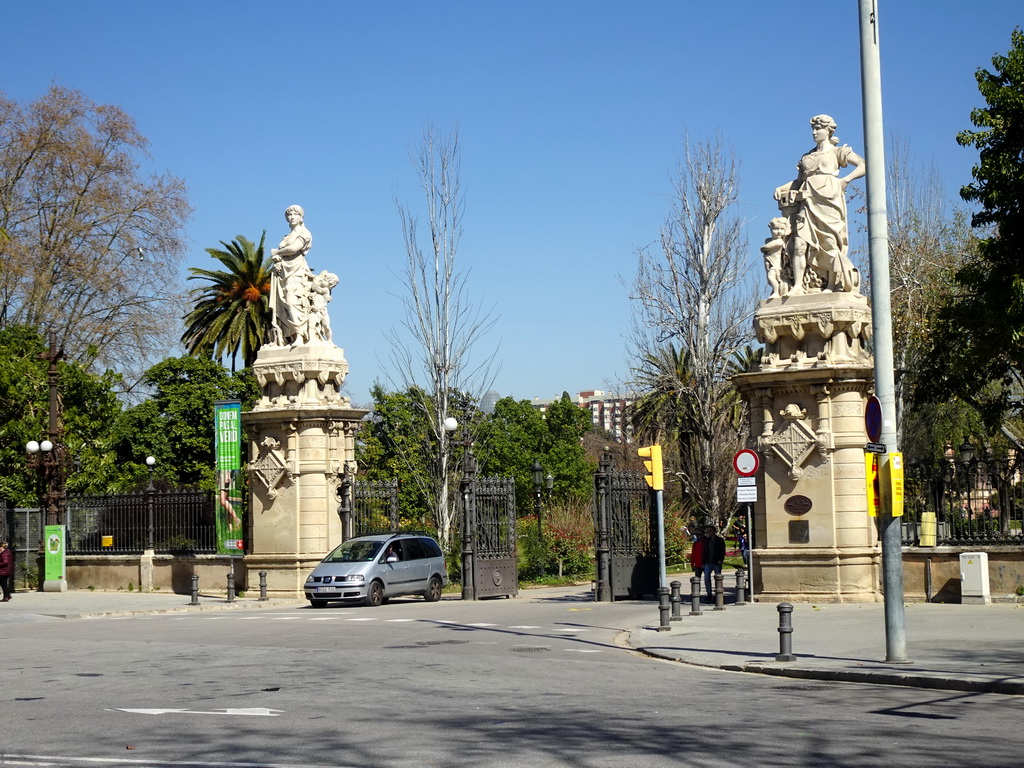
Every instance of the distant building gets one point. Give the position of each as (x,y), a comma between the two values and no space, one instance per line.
(489,400)
(607,412)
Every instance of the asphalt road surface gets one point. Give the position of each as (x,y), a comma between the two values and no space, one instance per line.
(523,682)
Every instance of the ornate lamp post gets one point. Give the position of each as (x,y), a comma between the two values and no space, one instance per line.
(538,481)
(150,526)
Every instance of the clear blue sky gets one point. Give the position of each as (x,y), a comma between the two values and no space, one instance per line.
(571,116)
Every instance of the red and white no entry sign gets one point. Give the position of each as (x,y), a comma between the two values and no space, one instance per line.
(746,462)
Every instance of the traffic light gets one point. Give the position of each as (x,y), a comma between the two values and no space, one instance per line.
(652,463)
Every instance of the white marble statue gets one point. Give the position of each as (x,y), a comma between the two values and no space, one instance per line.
(298,298)
(815,205)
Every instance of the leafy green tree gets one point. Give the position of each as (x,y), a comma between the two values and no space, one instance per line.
(979,332)
(517,434)
(175,426)
(90,406)
(232,312)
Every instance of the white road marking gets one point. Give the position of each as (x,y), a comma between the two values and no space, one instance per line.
(399,620)
(581,650)
(362,618)
(559,629)
(524,626)
(244,711)
(480,624)
(287,618)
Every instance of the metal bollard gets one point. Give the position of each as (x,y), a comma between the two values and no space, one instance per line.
(719,592)
(195,590)
(677,601)
(263,585)
(741,587)
(785,633)
(231,587)
(695,596)
(663,609)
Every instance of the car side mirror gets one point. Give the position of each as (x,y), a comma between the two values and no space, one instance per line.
(392,559)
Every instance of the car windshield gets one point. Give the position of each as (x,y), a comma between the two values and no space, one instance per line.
(354,552)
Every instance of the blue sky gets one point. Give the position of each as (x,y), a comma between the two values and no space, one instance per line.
(571,116)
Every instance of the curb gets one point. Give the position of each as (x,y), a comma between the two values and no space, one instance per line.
(876,677)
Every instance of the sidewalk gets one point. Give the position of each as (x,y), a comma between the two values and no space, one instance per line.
(83,604)
(977,648)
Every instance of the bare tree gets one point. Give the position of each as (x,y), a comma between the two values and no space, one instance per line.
(691,316)
(928,243)
(442,324)
(92,244)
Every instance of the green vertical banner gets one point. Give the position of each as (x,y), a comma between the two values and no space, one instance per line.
(55,559)
(227,418)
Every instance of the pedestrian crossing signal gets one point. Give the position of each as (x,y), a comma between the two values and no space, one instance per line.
(651,455)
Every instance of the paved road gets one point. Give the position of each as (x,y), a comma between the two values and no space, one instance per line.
(541,680)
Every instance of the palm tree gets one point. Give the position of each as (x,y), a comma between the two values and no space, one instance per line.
(232,312)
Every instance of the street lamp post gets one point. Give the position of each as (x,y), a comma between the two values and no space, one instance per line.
(538,481)
(150,522)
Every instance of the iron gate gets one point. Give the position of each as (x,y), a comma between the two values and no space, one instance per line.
(376,507)
(488,535)
(626,532)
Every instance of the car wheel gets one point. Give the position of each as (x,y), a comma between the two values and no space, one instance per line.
(375,595)
(318,603)
(433,593)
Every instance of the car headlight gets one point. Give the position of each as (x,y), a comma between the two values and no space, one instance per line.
(354,577)
(309,579)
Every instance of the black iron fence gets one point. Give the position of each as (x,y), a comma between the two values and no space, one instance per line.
(182,521)
(965,503)
(376,507)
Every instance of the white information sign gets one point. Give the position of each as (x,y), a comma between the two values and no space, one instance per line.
(746,493)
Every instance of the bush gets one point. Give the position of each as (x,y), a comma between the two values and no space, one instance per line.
(567,546)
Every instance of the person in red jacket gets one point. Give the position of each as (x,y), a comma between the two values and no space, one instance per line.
(697,556)
(6,571)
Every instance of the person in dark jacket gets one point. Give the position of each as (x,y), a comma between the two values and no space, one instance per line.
(714,557)
(6,571)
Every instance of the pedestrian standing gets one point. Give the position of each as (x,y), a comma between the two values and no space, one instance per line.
(714,557)
(6,571)
(697,556)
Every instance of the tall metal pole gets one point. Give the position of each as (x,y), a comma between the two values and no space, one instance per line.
(881,317)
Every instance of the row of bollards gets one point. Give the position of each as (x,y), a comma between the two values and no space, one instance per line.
(670,601)
(670,608)
(231,588)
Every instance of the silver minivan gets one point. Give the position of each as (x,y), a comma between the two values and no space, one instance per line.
(375,568)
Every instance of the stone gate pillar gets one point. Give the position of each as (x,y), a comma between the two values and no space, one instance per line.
(813,539)
(301,434)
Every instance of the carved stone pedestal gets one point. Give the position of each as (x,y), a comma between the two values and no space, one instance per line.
(813,539)
(301,434)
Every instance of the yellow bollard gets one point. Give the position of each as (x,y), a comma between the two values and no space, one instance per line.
(927,538)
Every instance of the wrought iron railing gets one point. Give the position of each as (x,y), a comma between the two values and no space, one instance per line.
(376,507)
(975,502)
(183,522)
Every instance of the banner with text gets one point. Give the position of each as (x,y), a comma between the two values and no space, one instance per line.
(227,418)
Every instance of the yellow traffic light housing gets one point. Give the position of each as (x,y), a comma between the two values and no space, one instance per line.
(651,455)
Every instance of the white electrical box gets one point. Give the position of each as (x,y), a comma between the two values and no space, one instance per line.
(974,587)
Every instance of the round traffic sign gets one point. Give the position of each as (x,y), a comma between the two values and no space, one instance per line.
(873,419)
(746,462)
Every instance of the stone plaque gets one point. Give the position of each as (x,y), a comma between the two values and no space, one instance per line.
(799,532)
(798,505)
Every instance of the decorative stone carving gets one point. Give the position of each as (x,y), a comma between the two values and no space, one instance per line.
(812,257)
(814,330)
(298,298)
(794,441)
(269,467)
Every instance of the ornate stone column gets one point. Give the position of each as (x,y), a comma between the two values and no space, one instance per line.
(301,434)
(813,538)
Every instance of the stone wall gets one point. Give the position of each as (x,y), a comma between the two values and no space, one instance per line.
(163,573)
(1005,572)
